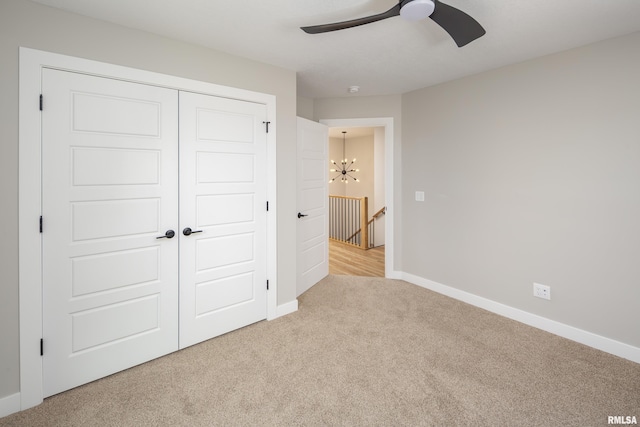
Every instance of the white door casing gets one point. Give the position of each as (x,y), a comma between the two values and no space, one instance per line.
(313,204)
(109,190)
(223,197)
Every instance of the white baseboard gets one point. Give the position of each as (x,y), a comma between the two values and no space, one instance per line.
(9,404)
(394,274)
(287,308)
(599,342)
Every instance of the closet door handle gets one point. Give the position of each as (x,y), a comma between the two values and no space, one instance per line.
(168,235)
(300,215)
(187,231)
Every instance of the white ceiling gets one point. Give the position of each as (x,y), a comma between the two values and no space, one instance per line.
(387,57)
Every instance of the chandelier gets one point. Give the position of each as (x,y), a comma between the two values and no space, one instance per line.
(344,171)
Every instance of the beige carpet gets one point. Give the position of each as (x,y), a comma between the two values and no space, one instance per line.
(362,352)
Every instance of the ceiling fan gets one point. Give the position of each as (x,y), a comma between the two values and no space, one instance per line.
(460,26)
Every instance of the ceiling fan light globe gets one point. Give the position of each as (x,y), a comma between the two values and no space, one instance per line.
(416,10)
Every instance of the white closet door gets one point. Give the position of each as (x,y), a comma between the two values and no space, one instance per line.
(110,171)
(223,201)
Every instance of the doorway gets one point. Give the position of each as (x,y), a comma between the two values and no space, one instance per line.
(356,201)
(385,131)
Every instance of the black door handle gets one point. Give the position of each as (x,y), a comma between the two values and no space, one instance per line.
(300,215)
(168,235)
(187,231)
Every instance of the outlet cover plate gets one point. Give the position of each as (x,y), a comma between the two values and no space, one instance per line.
(541,291)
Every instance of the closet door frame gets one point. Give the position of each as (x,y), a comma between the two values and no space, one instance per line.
(32,62)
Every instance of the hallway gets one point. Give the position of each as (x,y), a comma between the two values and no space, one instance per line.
(349,260)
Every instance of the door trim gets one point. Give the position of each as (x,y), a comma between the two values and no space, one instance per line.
(389,150)
(30,190)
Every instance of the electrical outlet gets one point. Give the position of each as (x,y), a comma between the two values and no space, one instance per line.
(541,291)
(419,196)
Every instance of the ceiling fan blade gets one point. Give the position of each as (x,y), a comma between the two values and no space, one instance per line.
(325,28)
(460,26)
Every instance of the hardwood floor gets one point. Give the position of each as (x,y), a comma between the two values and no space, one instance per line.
(352,261)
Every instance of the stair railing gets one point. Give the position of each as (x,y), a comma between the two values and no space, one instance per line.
(349,223)
(347,218)
(371,226)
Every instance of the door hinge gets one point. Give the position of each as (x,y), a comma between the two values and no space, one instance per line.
(41,102)
(267,285)
(267,125)
(41,347)
(41,223)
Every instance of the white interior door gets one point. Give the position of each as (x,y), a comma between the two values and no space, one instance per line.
(223,197)
(313,204)
(109,169)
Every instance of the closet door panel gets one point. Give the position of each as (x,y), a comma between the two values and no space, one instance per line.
(223,157)
(109,190)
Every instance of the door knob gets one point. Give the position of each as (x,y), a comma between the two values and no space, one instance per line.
(300,215)
(168,235)
(187,231)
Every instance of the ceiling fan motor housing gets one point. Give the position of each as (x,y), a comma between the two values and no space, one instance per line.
(415,10)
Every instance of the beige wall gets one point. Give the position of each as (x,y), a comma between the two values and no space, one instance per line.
(305,107)
(23,23)
(358,107)
(532,174)
(360,148)
(335,153)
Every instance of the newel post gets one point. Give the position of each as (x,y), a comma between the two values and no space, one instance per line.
(364,218)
